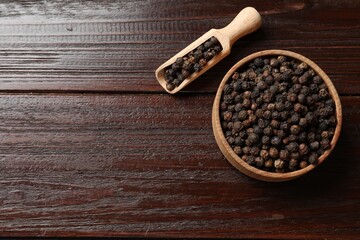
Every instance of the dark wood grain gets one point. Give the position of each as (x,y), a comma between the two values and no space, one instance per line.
(148,165)
(89,145)
(116,45)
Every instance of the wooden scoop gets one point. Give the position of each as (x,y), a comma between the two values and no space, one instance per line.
(247,21)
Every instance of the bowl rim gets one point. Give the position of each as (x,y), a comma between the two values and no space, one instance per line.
(226,149)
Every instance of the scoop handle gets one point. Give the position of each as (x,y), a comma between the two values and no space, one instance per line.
(247,21)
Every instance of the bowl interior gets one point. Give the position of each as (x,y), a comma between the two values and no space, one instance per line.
(226,149)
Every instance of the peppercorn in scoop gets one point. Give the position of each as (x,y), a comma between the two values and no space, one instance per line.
(277,114)
(193,62)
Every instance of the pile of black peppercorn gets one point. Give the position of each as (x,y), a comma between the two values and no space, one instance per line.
(277,114)
(194,61)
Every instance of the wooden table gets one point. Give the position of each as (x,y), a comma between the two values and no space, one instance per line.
(91,145)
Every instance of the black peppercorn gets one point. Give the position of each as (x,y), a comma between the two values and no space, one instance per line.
(228,116)
(320,151)
(295,155)
(265,147)
(274,62)
(217,49)
(274,123)
(259,62)
(273,152)
(302,137)
(293,138)
(325,143)
(228,134)
(264,154)
(187,65)
(311,137)
(303,164)
(286,141)
(275,115)
(275,141)
(237,150)
(281,59)
(304,78)
(279,164)
(301,98)
(255,93)
(284,155)
(238,99)
(242,115)
(261,85)
(269,163)
(317,80)
(170,86)
(237,126)
(230,140)
(247,94)
(288,105)
(295,129)
(238,107)
(259,113)
(303,149)
(176,82)
(313,158)
(250,160)
(202,62)
(246,123)
(250,130)
(197,67)
(235,76)
(245,85)
(323,124)
(253,139)
(284,115)
(170,72)
(297,88)
(267,115)
(239,141)
(257,130)
(269,80)
(255,151)
(293,163)
(325,134)
(231,108)
(274,89)
(303,122)
(246,150)
(259,100)
(281,134)
(284,126)
(247,103)
(280,106)
(298,108)
(265,140)
(292,97)
(262,123)
(292,147)
(314,145)
(323,93)
(259,161)
(268,97)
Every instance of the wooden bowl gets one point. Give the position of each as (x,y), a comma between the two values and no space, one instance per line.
(228,152)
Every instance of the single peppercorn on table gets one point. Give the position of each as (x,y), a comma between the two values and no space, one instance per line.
(92,146)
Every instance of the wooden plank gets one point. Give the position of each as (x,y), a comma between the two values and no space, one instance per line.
(117,45)
(148,165)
